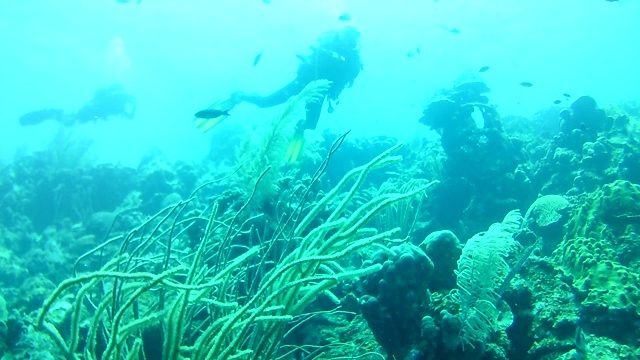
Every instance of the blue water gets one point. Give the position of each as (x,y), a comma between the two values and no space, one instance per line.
(575,298)
(179,56)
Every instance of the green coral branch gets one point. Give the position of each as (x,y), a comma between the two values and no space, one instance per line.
(130,292)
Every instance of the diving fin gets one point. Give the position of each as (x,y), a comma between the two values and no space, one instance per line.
(205,125)
(221,108)
(295,147)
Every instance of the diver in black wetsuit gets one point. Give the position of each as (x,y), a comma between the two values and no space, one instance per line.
(336,58)
(107,103)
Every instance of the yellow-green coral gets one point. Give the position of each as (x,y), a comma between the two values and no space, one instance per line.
(610,283)
(606,212)
(600,248)
(215,303)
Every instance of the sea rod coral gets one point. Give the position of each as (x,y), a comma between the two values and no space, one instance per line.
(225,299)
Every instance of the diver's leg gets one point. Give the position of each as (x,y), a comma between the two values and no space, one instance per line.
(313,115)
(277,98)
(309,123)
(39,116)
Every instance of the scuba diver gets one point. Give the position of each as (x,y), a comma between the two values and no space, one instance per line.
(336,58)
(108,102)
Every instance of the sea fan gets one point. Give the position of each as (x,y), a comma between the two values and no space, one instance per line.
(481,271)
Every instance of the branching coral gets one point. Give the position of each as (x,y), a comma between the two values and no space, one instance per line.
(403,214)
(226,299)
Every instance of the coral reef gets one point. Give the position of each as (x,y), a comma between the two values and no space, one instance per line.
(373,270)
(478,155)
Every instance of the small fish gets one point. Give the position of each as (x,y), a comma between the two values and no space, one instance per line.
(526,84)
(566,95)
(483,69)
(256,59)
(453,30)
(415,52)
(344,17)
(557,102)
(211,113)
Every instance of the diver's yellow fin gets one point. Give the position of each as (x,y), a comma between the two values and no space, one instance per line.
(295,147)
(205,125)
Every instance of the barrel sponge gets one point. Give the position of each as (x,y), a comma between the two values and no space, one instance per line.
(409,272)
(396,296)
(444,249)
(404,267)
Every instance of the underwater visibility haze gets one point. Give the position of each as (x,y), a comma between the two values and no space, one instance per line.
(337,179)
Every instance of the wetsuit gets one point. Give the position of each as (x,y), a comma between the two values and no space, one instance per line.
(334,60)
(107,102)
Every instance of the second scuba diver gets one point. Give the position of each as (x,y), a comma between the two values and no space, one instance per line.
(107,103)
